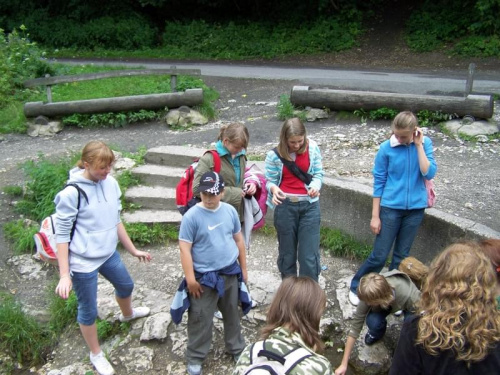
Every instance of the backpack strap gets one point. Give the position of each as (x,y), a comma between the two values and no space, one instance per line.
(80,192)
(294,357)
(216,157)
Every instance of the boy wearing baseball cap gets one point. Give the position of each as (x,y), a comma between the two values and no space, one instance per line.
(214,263)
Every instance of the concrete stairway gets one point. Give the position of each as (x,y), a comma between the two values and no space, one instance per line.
(159,175)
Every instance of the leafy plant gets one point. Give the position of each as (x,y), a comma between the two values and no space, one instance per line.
(21,336)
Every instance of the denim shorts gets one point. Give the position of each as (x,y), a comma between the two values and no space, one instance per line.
(85,286)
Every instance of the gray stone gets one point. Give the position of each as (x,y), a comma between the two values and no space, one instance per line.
(53,127)
(138,360)
(41,120)
(183,119)
(156,327)
(314,114)
(471,129)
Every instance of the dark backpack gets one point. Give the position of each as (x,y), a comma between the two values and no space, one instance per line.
(45,239)
(184,190)
(264,362)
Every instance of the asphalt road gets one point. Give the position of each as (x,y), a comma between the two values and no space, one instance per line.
(419,83)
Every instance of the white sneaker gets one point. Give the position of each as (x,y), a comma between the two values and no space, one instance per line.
(398,313)
(101,364)
(353,298)
(218,314)
(139,312)
(254,303)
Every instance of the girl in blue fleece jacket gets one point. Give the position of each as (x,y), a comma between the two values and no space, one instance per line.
(399,195)
(91,249)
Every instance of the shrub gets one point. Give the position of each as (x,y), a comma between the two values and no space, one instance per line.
(20,234)
(478,46)
(20,59)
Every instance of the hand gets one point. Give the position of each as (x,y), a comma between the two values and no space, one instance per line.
(341,370)
(64,286)
(313,193)
(375,225)
(195,289)
(143,256)
(250,189)
(418,137)
(278,196)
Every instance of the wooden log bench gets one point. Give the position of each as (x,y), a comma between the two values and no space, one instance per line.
(479,106)
(190,97)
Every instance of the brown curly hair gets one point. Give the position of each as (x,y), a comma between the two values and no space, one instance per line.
(458,304)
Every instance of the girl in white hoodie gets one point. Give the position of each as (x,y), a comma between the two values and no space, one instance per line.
(90,247)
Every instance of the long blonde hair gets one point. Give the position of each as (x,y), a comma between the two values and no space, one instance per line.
(291,128)
(96,153)
(458,304)
(298,306)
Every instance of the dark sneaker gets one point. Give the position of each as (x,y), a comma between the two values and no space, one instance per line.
(370,340)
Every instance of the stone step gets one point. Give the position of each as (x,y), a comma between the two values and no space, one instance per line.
(152,197)
(158,175)
(153,217)
(173,156)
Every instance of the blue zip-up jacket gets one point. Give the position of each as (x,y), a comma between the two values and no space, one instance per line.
(274,171)
(397,179)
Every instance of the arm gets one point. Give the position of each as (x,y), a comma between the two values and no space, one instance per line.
(205,164)
(423,162)
(65,284)
(316,169)
(194,287)
(129,245)
(274,168)
(375,223)
(349,345)
(242,257)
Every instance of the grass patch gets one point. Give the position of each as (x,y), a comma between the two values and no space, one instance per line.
(20,234)
(342,245)
(143,234)
(21,336)
(287,110)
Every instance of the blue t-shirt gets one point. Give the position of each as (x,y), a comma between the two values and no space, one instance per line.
(211,234)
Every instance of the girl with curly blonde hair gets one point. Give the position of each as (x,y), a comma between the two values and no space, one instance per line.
(458,330)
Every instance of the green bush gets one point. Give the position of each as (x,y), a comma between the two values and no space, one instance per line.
(340,244)
(20,60)
(231,40)
(478,46)
(127,32)
(21,336)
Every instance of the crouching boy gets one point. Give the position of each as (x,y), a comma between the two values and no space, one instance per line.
(214,263)
(379,295)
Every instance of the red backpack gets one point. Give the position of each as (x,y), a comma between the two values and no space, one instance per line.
(184,190)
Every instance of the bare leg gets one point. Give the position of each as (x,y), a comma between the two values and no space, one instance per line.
(125,305)
(90,335)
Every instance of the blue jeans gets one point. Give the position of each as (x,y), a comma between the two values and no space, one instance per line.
(376,321)
(85,287)
(399,227)
(297,225)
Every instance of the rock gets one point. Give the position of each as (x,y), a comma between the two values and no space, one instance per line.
(156,327)
(49,130)
(314,114)
(182,118)
(471,129)
(138,360)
